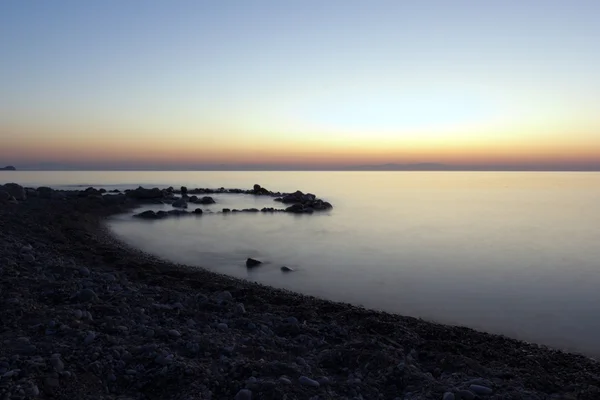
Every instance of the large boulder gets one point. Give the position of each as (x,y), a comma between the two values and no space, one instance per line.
(258,190)
(15,190)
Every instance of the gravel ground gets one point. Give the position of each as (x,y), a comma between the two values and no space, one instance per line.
(83,316)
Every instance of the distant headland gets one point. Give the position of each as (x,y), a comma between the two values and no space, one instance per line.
(8,168)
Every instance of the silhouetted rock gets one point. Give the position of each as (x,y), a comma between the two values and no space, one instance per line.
(193,199)
(114,198)
(184,191)
(287,269)
(206,200)
(15,190)
(198,211)
(226,210)
(181,203)
(8,168)
(148,214)
(258,190)
(251,262)
(178,212)
(45,192)
(144,194)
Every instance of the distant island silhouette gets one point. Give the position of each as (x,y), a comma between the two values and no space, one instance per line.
(8,168)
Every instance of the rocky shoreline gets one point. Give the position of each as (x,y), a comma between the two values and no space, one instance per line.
(83,316)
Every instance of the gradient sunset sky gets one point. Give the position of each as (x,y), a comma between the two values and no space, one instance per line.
(299,83)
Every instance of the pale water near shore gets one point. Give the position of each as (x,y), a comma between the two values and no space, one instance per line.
(507,252)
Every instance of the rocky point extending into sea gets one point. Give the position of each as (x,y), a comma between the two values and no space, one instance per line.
(83,316)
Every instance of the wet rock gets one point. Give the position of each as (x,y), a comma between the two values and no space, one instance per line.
(198,211)
(448,396)
(287,269)
(251,262)
(89,338)
(174,333)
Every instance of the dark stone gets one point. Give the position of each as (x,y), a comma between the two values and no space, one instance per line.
(184,191)
(144,194)
(193,199)
(45,192)
(148,214)
(226,210)
(181,203)
(15,190)
(8,168)
(198,211)
(251,262)
(206,200)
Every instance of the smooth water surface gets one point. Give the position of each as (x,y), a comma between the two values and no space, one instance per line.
(516,253)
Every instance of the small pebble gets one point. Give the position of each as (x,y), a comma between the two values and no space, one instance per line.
(57,363)
(222,326)
(285,380)
(174,333)
(28,257)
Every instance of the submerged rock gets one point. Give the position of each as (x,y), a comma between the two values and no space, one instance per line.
(287,269)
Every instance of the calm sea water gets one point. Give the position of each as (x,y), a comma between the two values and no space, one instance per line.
(516,253)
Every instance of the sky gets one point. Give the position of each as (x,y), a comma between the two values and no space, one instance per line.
(319,84)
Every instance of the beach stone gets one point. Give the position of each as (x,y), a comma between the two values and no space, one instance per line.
(28,257)
(86,295)
(251,262)
(224,296)
(244,394)
(57,363)
(174,333)
(84,271)
(89,338)
(465,395)
(285,380)
(448,396)
(480,390)
(4,195)
(27,248)
(222,326)
(240,309)
(15,190)
(306,381)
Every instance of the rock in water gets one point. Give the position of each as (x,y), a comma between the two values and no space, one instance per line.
(181,203)
(198,211)
(206,200)
(251,262)
(287,269)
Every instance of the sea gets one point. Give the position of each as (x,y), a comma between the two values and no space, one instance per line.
(514,253)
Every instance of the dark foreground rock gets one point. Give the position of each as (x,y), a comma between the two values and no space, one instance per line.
(83,316)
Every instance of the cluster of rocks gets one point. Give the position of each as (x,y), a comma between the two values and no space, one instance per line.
(303,203)
(84,316)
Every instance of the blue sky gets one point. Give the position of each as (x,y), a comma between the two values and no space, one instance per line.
(336,82)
